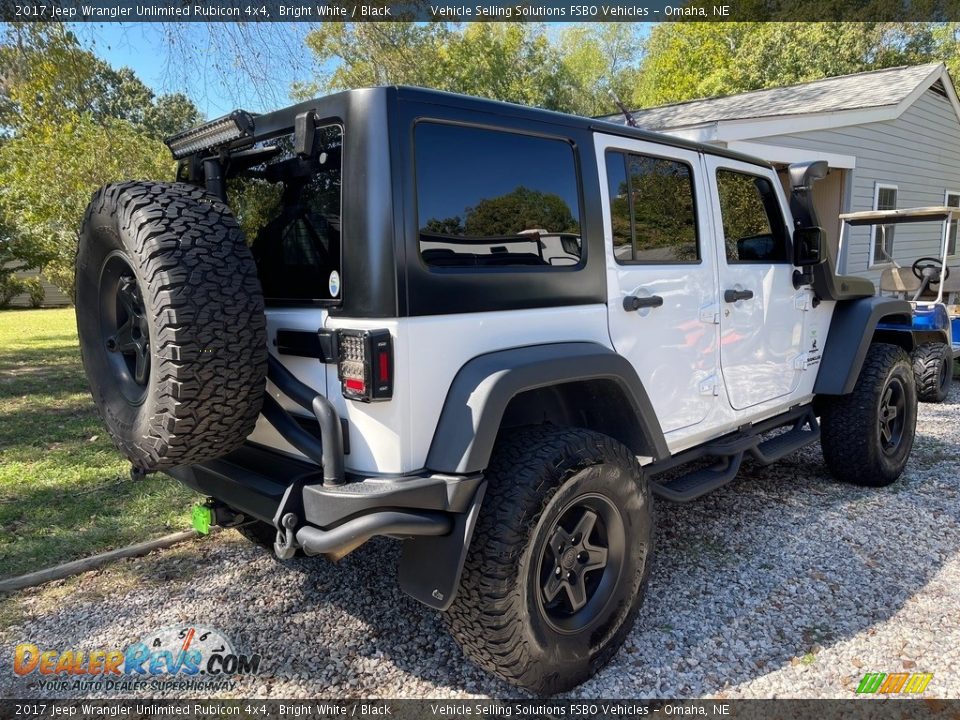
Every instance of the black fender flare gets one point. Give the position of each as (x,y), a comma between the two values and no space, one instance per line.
(482,389)
(852,329)
(430,567)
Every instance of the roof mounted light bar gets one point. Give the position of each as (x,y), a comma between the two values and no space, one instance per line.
(222,131)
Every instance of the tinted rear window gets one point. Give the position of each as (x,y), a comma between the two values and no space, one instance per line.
(652,210)
(289,209)
(495,199)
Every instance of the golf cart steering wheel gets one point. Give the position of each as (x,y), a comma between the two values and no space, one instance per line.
(921,265)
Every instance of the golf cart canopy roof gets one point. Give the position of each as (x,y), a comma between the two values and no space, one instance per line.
(905,215)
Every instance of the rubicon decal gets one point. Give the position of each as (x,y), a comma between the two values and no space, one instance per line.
(184,652)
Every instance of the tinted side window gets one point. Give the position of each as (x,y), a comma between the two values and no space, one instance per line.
(652,209)
(494,199)
(753,226)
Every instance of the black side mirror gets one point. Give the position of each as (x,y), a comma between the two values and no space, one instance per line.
(807,246)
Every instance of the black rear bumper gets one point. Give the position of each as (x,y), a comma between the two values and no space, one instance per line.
(433,512)
(319,508)
(253,480)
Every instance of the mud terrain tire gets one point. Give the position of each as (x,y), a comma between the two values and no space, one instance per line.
(933,368)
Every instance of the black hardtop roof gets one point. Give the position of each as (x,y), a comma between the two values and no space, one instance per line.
(285,116)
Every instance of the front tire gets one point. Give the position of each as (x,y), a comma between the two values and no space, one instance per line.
(557,568)
(933,369)
(867,435)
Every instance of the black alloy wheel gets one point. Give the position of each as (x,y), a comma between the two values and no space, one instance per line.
(581,563)
(124,326)
(892,416)
(867,435)
(170,321)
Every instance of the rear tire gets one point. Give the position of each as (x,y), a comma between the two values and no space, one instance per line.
(559,560)
(933,369)
(867,435)
(171,323)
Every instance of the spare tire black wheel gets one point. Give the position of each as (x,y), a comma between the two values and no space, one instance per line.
(171,323)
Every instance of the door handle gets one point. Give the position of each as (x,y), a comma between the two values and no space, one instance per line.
(632,302)
(731,296)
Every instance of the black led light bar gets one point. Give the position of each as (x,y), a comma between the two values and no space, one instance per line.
(222,131)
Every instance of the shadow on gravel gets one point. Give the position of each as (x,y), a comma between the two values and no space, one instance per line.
(762,574)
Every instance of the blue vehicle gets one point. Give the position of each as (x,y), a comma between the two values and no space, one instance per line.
(933,288)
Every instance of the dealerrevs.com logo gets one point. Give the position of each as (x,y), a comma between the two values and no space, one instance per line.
(188,657)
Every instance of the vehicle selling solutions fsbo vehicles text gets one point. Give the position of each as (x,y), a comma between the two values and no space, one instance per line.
(573,11)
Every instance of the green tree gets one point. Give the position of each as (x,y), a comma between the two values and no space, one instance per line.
(15,255)
(946,38)
(70,123)
(170,114)
(49,174)
(444,226)
(683,61)
(518,210)
(354,55)
(598,62)
(572,70)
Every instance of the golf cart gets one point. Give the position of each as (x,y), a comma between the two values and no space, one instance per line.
(933,291)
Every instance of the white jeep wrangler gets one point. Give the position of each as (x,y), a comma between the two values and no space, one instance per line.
(486,331)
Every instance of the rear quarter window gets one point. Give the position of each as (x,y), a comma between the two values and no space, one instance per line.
(489,199)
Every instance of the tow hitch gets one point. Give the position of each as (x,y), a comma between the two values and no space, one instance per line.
(211,513)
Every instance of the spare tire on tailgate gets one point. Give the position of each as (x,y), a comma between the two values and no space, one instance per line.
(171,323)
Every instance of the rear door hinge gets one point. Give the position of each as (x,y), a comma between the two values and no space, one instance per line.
(708,386)
(321,344)
(803,300)
(710,315)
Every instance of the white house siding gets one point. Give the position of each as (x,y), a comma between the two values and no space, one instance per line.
(919,152)
(52,295)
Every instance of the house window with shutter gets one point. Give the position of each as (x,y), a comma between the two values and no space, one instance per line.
(884,198)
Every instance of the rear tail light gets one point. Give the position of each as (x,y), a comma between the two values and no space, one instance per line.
(366,365)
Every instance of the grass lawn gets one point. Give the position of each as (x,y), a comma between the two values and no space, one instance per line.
(65,492)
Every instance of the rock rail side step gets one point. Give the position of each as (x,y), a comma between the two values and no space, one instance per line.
(730,451)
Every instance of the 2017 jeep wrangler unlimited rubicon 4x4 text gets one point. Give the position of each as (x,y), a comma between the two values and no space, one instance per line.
(486,331)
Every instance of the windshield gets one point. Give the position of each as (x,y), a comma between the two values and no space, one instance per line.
(289,209)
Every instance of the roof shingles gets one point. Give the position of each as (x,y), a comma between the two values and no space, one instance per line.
(876,88)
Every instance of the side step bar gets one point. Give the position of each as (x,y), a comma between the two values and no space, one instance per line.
(730,452)
(779,446)
(691,486)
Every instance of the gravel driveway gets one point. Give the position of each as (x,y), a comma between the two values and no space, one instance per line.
(783,584)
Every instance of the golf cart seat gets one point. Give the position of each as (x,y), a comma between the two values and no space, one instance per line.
(901,280)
